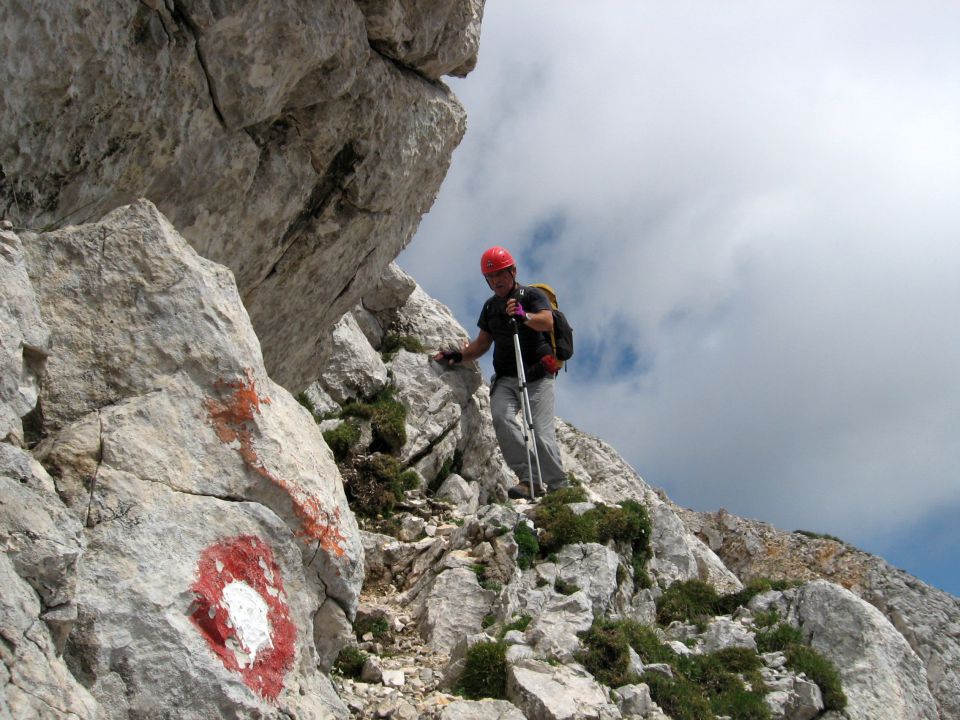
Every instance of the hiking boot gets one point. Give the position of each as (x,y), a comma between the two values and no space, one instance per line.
(519,492)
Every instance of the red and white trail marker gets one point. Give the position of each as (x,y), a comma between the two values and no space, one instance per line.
(241,610)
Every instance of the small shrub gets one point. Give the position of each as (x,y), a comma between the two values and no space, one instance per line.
(521,624)
(488,620)
(374,486)
(393,343)
(409,479)
(350,662)
(606,654)
(527,545)
(678,697)
(375,625)
(819,536)
(342,439)
(485,671)
(686,601)
(647,645)
(803,659)
(492,585)
(777,638)
(563,587)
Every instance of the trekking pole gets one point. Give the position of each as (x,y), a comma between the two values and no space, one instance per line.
(529,435)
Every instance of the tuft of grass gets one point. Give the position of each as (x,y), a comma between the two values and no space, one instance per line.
(521,624)
(527,545)
(678,697)
(485,671)
(394,342)
(342,439)
(804,659)
(564,588)
(687,601)
(777,638)
(606,654)
(374,485)
(695,600)
(388,420)
(819,536)
(350,662)
(375,625)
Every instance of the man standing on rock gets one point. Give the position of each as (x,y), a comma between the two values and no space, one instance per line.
(531,310)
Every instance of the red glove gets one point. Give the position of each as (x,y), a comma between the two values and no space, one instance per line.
(550,364)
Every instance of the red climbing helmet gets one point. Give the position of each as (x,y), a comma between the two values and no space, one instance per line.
(494,260)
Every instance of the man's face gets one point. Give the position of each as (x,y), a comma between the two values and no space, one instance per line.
(501,282)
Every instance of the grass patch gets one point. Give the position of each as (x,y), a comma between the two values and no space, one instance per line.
(777,638)
(606,654)
(394,343)
(387,417)
(342,439)
(819,536)
(695,601)
(377,626)
(350,662)
(626,523)
(527,545)
(804,659)
(374,485)
(485,671)
(564,588)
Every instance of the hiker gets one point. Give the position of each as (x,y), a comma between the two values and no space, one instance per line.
(532,311)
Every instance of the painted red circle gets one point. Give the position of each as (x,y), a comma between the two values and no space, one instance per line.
(249,560)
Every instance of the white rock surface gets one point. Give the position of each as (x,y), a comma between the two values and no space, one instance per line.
(214,519)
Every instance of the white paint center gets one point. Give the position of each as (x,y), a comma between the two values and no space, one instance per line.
(248,614)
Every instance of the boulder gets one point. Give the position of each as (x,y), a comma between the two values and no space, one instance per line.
(214,521)
(563,692)
(881,675)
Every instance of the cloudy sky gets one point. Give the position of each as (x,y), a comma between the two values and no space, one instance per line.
(751,212)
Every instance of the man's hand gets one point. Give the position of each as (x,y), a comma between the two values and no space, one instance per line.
(450,357)
(515,310)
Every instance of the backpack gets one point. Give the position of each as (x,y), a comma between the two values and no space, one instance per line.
(562,336)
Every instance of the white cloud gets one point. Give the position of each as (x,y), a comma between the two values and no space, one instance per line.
(757,202)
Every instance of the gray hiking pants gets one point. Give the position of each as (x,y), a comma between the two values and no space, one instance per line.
(505,404)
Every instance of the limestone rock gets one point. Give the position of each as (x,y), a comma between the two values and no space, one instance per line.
(453,605)
(463,495)
(565,692)
(882,677)
(303,164)
(481,710)
(593,569)
(36,682)
(435,39)
(352,369)
(24,340)
(214,518)
(925,616)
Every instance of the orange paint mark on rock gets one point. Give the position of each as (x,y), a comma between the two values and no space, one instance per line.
(233,419)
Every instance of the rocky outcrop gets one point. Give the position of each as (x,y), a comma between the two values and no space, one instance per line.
(297,143)
(192,534)
(926,617)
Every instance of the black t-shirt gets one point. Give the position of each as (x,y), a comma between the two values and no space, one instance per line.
(533,344)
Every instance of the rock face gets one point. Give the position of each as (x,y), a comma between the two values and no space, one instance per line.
(297,143)
(194,529)
(926,617)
